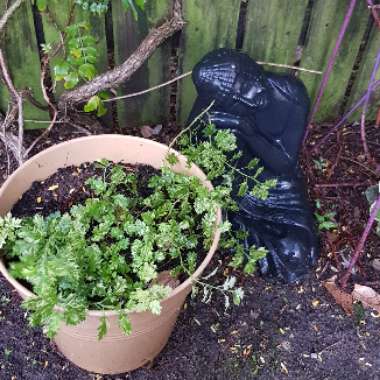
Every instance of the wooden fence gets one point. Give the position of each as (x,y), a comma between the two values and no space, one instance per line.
(293,32)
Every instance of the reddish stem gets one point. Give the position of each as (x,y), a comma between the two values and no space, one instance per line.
(357,105)
(359,248)
(330,64)
(374,12)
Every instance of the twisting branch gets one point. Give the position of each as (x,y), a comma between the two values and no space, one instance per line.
(359,249)
(9,12)
(120,74)
(359,103)
(17,102)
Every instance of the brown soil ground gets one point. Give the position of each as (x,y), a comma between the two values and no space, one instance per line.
(280,331)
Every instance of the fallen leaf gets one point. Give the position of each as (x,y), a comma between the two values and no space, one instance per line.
(147,131)
(376,264)
(367,296)
(284,369)
(315,303)
(157,129)
(165,278)
(54,187)
(342,298)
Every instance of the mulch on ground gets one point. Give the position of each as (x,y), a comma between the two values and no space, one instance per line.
(280,331)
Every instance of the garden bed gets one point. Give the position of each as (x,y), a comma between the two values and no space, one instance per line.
(293,331)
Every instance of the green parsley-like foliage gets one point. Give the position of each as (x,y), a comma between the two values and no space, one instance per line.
(216,155)
(104,254)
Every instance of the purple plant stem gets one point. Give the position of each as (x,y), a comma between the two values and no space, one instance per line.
(330,64)
(359,248)
(365,105)
(357,105)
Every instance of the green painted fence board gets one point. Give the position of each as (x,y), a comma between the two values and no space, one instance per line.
(20,49)
(128,33)
(210,24)
(55,21)
(273,29)
(326,20)
(364,74)
(272,33)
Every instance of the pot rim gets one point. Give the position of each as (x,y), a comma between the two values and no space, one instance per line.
(108,313)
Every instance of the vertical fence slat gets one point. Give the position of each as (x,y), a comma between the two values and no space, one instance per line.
(55,21)
(273,28)
(128,33)
(326,20)
(211,24)
(364,74)
(21,51)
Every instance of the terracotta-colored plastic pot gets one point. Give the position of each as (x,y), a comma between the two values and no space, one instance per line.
(116,352)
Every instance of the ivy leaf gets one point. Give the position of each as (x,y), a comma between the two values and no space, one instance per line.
(104,95)
(102,110)
(102,328)
(41,5)
(87,71)
(92,104)
(61,70)
(71,80)
(140,4)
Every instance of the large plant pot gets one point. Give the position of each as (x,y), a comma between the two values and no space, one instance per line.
(116,352)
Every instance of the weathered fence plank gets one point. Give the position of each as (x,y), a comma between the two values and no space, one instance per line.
(273,29)
(21,51)
(326,20)
(363,77)
(272,34)
(128,33)
(211,24)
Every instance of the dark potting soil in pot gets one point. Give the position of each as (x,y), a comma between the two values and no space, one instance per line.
(67,187)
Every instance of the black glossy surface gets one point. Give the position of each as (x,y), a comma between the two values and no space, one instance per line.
(268,114)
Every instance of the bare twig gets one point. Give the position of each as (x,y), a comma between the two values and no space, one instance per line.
(120,74)
(9,12)
(190,125)
(359,248)
(290,67)
(182,76)
(341,184)
(341,122)
(365,167)
(134,94)
(53,109)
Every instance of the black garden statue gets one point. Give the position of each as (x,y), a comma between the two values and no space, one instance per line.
(268,114)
